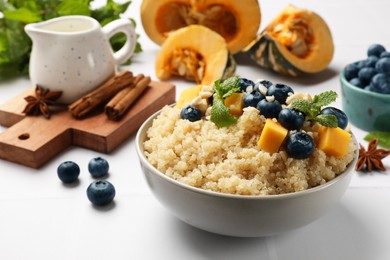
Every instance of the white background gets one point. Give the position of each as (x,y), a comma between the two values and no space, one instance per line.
(40,218)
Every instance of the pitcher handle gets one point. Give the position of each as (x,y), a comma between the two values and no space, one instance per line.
(126,27)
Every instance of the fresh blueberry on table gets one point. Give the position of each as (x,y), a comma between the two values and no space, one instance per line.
(299,145)
(280,92)
(101,192)
(252,99)
(98,167)
(68,171)
(342,119)
(245,83)
(291,119)
(191,113)
(269,109)
(375,50)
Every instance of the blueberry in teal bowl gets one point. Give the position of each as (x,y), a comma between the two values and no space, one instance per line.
(365,86)
(225,178)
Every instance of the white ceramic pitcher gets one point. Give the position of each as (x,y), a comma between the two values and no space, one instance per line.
(72,54)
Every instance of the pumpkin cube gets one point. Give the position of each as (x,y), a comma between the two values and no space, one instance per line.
(188,95)
(234,103)
(272,136)
(333,141)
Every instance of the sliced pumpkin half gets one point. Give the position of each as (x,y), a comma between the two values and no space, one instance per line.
(296,42)
(237,21)
(195,53)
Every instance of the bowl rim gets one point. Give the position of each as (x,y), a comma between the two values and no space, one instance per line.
(140,152)
(345,82)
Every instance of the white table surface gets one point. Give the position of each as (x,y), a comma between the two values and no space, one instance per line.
(40,218)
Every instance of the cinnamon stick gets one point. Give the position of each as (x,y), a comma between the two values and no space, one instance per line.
(107,90)
(117,107)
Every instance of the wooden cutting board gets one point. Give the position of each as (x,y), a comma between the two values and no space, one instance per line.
(34,140)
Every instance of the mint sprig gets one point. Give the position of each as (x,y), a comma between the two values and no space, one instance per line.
(383,137)
(227,87)
(312,109)
(220,115)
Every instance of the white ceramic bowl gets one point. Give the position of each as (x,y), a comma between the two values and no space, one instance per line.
(239,215)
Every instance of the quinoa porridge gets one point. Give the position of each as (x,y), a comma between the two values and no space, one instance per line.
(229,159)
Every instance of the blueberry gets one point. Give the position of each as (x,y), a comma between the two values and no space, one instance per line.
(385,54)
(365,75)
(383,65)
(371,61)
(262,83)
(245,83)
(68,171)
(265,83)
(342,119)
(360,64)
(280,92)
(191,113)
(252,99)
(299,145)
(101,192)
(351,71)
(269,109)
(381,83)
(356,82)
(98,167)
(291,119)
(375,50)
(368,88)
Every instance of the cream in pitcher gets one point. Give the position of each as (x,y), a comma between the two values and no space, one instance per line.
(72,54)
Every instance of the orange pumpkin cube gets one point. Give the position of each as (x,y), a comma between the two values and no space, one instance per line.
(234,103)
(333,141)
(272,136)
(188,95)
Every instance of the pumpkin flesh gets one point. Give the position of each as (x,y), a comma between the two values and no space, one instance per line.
(216,17)
(229,18)
(195,53)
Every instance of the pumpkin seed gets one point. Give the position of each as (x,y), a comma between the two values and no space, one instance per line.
(187,63)
(295,35)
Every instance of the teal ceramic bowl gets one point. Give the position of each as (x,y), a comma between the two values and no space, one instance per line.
(367,110)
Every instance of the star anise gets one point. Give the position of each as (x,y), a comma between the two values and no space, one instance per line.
(372,158)
(39,104)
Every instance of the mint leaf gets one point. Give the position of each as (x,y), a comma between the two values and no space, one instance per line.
(302,105)
(383,137)
(312,110)
(220,115)
(325,98)
(327,120)
(227,87)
